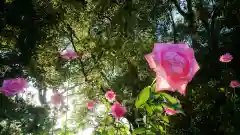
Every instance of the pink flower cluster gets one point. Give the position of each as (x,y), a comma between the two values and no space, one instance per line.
(175,66)
(57,98)
(226,58)
(117,110)
(12,87)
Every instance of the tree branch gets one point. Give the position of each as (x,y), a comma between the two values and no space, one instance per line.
(96,61)
(81,63)
(189,5)
(173,26)
(105,77)
(75,49)
(213,40)
(202,14)
(175,2)
(70,88)
(42,94)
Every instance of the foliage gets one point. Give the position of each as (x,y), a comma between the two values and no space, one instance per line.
(112,36)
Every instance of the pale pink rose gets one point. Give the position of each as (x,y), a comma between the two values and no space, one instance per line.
(110,95)
(234,83)
(69,54)
(12,87)
(118,110)
(227,57)
(90,105)
(57,98)
(170,111)
(175,65)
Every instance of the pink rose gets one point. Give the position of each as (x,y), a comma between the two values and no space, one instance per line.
(69,54)
(234,84)
(118,110)
(57,98)
(90,105)
(227,57)
(12,87)
(175,65)
(170,111)
(110,95)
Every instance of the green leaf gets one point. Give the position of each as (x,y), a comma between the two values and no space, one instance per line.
(111,131)
(139,131)
(161,129)
(222,89)
(109,120)
(149,109)
(181,111)
(165,119)
(177,106)
(169,98)
(158,108)
(143,97)
(98,133)
(149,132)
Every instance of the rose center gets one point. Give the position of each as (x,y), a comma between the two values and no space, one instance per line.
(110,95)
(174,63)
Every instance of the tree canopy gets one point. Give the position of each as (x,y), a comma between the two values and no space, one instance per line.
(111,38)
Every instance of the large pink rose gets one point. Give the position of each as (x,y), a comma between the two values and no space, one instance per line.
(12,87)
(174,64)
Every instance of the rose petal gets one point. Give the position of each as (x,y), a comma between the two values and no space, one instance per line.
(170,111)
(118,110)
(150,60)
(162,84)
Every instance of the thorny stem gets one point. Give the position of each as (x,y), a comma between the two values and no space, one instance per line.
(226,91)
(153,82)
(234,101)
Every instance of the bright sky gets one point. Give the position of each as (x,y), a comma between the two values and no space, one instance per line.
(100,108)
